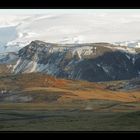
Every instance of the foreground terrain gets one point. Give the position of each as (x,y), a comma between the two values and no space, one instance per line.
(68,121)
(39,102)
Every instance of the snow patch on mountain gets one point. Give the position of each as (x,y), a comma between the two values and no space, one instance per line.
(129,57)
(15,66)
(130,44)
(82,51)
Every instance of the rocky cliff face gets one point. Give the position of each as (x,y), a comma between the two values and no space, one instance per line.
(91,62)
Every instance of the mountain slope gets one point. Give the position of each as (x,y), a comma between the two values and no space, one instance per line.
(91,61)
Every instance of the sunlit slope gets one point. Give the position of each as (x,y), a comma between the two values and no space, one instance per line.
(41,88)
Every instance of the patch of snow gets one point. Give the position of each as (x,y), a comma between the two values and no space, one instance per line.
(15,66)
(98,65)
(130,44)
(56,49)
(133,60)
(129,50)
(9,66)
(34,65)
(106,69)
(82,51)
(128,56)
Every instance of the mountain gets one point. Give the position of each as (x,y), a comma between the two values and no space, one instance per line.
(8,58)
(12,46)
(86,61)
(130,44)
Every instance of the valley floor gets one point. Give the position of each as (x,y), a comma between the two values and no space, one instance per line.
(99,115)
(68,121)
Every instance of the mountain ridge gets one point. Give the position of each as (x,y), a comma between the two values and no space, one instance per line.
(89,61)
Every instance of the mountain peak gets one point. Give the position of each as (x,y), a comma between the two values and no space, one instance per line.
(38,42)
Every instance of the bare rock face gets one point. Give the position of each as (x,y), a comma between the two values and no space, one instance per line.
(91,61)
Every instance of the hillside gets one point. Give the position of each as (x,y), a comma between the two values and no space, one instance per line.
(41,88)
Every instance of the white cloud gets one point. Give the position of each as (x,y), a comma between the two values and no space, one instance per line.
(83,25)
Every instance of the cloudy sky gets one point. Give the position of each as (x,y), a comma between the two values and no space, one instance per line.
(70,25)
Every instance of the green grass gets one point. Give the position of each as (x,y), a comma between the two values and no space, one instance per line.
(70,116)
(73,120)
